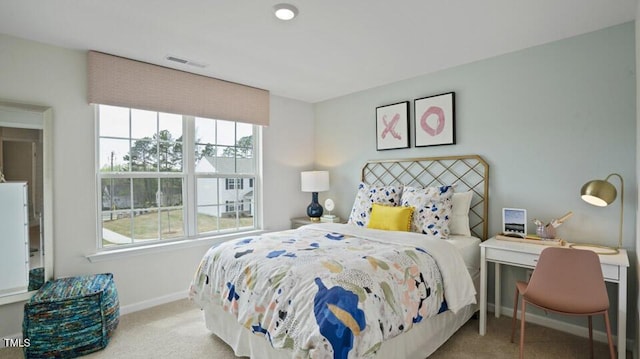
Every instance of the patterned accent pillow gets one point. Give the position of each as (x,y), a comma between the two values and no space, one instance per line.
(366,196)
(432,209)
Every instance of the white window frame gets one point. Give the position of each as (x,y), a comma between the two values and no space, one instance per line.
(189,188)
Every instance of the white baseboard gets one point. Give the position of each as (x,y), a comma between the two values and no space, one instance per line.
(577,330)
(146,304)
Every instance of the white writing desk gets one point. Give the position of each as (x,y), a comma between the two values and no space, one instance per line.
(614,269)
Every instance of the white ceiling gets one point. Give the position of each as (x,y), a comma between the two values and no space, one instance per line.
(333,48)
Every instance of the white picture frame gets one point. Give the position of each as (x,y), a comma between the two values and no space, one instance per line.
(514,222)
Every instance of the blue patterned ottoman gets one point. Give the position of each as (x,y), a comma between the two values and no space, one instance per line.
(70,317)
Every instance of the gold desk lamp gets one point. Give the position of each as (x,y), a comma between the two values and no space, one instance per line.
(602,193)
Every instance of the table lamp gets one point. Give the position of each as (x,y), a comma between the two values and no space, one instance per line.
(314,182)
(602,193)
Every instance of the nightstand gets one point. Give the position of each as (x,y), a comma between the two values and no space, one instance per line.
(301,221)
(614,270)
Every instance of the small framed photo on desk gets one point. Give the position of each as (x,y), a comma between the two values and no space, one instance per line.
(514,222)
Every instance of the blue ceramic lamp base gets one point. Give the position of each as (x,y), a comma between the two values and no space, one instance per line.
(314,210)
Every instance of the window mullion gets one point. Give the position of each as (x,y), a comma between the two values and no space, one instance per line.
(237,205)
(131,210)
(189,166)
(159,195)
(131,194)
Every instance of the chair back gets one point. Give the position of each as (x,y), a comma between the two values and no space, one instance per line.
(568,280)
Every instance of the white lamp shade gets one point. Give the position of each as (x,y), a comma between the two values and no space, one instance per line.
(314,181)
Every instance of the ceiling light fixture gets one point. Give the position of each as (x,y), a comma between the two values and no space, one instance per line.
(285,12)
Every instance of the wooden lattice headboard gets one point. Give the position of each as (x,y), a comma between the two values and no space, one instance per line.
(468,173)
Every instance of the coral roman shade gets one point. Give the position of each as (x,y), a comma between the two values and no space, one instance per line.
(118,81)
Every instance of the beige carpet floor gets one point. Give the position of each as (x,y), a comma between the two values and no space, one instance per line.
(177,330)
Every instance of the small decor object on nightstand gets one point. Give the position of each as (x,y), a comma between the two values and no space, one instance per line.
(329,218)
(314,182)
(329,205)
(2,179)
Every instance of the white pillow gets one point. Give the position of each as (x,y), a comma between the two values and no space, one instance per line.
(459,222)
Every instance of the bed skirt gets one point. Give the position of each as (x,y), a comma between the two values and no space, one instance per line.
(418,343)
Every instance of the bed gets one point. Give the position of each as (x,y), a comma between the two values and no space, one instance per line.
(357,290)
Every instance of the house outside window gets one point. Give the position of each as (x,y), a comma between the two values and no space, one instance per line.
(233,183)
(171,177)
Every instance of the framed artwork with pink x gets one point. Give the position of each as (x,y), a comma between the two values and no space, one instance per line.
(434,120)
(392,126)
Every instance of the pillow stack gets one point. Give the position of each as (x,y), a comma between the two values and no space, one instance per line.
(436,211)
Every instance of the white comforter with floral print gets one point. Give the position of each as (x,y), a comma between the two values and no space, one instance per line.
(333,290)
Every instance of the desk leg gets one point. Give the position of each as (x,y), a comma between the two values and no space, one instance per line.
(622,313)
(498,285)
(483,291)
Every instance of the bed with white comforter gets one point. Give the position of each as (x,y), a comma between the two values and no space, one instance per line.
(333,290)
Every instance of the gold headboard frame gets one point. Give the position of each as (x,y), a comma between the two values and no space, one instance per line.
(467,173)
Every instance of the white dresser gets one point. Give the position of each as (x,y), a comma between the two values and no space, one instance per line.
(14,238)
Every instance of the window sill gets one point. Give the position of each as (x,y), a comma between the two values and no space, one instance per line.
(113,254)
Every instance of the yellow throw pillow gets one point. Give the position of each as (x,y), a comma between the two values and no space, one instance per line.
(391,218)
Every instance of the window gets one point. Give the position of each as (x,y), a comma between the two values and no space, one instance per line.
(171,177)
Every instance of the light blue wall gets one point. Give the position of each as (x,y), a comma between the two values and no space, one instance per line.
(547,119)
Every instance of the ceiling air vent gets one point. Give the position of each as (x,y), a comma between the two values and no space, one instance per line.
(185,61)
(176,59)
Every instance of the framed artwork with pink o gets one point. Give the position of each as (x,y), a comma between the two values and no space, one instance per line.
(434,120)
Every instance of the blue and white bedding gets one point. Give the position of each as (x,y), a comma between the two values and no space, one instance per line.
(333,290)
